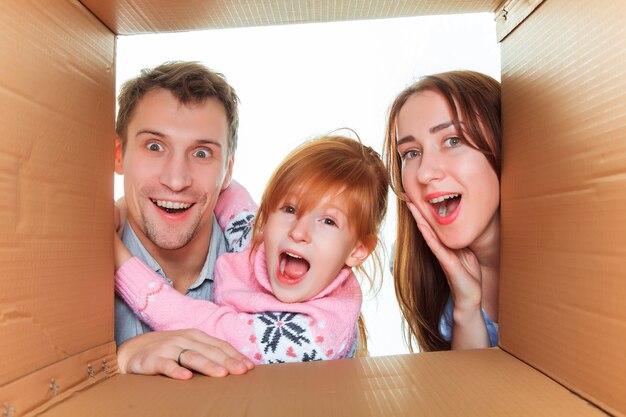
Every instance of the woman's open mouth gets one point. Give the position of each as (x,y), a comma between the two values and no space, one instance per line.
(446,207)
(292,268)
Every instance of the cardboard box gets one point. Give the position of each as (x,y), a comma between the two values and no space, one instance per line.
(563,284)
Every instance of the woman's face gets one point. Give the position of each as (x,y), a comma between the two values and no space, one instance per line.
(451,182)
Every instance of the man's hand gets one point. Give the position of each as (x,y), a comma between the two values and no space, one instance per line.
(158,352)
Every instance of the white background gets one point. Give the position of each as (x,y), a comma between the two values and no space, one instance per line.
(299,81)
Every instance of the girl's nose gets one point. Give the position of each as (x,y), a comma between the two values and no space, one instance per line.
(300,230)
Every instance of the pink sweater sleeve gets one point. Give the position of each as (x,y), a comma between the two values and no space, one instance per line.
(160,306)
(235,211)
(269,332)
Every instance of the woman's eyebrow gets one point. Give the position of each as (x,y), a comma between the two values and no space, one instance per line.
(441,126)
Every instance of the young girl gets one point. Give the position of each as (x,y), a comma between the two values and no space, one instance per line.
(442,150)
(292,295)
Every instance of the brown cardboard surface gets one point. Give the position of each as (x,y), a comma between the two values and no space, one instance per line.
(564,246)
(511,13)
(563,197)
(56,109)
(471,383)
(134,16)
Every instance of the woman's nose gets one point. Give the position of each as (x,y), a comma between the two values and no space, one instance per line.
(431,168)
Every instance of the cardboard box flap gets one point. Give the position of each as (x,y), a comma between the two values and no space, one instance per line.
(56,105)
(511,14)
(473,383)
(38,391)
(126,17)
(563,282)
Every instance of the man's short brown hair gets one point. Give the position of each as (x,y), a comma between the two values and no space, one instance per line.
(189,82)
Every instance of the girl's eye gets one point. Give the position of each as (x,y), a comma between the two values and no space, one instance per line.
(329,222)
(202,153)
(289,209)
(154,147)
(451,142)
(410,154)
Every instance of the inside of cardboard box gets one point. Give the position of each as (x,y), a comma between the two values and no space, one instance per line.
(317,78)
(564,112)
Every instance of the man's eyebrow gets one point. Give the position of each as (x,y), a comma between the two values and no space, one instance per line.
(150,132)
(196,142)
(208,142)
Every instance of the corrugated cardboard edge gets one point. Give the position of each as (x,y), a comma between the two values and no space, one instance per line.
(511,13)
(59,381)
(482,382)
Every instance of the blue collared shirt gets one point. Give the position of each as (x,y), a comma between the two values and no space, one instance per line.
(127,325)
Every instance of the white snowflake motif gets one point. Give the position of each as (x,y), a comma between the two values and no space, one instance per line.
(285,337)
(239,231)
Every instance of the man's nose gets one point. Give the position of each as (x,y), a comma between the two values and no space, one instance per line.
(431,167)
(176,173)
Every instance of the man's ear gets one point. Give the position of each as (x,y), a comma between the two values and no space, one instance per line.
(228,176)
(119,157)
(358,255)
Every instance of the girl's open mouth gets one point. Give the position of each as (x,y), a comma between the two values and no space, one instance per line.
(292,268)
(446,207)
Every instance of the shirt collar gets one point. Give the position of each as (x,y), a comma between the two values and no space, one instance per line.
(217,246)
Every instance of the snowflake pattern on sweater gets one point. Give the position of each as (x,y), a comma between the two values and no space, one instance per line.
(280,337)
(238,231)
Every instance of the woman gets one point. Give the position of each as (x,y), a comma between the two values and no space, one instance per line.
(442,150)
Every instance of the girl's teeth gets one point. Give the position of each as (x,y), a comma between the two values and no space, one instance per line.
(443,209)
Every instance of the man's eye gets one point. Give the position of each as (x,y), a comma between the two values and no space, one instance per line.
(154,147)
(451,142)
(202,153)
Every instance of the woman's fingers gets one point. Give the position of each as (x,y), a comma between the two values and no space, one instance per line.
(460,266)
(445,256)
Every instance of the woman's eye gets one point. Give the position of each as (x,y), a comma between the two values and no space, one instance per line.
(202,153)
(154,147)
(289,209)
(410,154)
(452,142)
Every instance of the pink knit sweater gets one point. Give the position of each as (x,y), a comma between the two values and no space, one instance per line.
(246,313)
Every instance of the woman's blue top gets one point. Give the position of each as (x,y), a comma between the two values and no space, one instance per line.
(445,325)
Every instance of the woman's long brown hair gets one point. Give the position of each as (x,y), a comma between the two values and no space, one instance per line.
(420,283)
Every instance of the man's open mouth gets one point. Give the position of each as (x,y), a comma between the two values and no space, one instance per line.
(292,267)
(446,204)
(171,207)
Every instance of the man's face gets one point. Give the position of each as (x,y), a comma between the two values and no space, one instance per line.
(175,164)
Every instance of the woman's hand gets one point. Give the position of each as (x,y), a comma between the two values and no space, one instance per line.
(464,278)
(158,353)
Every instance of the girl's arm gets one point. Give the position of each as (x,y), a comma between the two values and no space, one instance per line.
(265,337)
(235,210)
(160,306)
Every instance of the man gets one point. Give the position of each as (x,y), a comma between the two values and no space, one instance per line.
(176,138)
